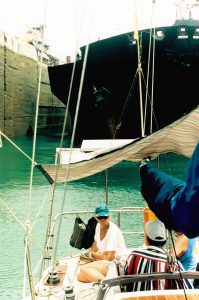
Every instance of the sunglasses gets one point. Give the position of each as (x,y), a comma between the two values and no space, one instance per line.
(103,217)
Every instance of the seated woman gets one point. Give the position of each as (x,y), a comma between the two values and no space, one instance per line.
(108,242)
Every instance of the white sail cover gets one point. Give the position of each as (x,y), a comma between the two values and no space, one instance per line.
(179,137)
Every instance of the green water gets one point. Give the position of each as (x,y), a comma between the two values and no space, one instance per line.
(123,190)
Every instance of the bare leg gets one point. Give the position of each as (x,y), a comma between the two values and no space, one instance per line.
(92,272)
(90,275)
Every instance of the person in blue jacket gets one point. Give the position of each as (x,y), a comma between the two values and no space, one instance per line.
(175,202)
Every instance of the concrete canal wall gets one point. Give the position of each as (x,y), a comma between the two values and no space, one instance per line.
(19,73)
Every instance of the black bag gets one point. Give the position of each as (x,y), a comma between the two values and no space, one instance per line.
(88,238)
(79,230)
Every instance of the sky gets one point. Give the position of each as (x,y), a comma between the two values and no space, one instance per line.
(72,23)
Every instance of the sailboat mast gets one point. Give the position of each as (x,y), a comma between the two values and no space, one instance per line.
(140,89)
(139,70)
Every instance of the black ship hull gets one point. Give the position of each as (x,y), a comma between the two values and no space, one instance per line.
(110,98)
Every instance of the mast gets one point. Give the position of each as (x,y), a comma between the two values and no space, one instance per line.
(139,71)
(140,88)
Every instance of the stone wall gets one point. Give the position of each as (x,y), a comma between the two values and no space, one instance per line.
(19,73)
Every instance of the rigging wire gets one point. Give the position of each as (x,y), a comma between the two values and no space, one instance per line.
(19,222)
(139,70)
(19,149)
(139,73)
(40,208)
(125,106)
(152,82)
(37,111)
(62,141)
(28,233)
(148,70)
(71,146)
(74,130)
(180,273)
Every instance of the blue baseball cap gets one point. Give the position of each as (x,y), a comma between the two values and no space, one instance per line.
(102,210)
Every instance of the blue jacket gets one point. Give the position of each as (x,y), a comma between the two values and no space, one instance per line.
(175,202)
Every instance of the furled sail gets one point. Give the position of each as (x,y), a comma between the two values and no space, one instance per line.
(180,137)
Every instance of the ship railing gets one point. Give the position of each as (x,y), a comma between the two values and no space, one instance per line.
(106,284)
(116,213)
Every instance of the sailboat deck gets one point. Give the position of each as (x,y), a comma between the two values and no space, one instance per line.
(114,292)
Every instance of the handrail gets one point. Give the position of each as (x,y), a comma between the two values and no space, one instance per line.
(125,279)
(118,211)
(122,209)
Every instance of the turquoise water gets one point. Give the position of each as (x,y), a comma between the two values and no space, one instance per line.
(123,190)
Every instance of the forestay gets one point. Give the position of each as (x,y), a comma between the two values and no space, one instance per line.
(180,137)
